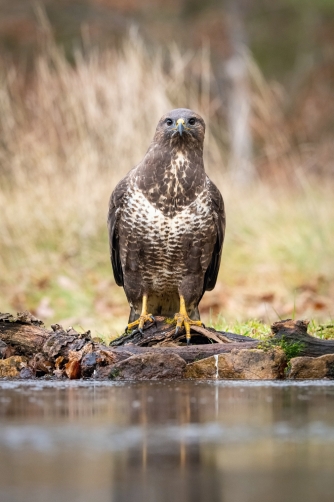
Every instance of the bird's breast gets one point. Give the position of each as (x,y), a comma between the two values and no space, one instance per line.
(171,184)
(147,220)
(159,245)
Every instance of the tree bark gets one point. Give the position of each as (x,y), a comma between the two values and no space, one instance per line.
(296,332)
(239,102)
(189,353)
(24,333)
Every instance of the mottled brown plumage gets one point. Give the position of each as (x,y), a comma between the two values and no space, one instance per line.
(166,222)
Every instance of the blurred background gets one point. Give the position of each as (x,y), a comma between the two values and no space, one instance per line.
(83,84)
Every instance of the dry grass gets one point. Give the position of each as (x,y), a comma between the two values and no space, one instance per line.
(69,133)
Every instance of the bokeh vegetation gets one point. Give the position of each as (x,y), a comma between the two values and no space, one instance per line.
(72,127)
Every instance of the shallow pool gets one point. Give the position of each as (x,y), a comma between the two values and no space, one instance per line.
(166,441)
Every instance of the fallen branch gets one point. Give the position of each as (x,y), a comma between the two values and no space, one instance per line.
(163,334)
(296,332)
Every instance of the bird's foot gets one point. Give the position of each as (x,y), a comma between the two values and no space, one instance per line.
(140,322)
(184,320)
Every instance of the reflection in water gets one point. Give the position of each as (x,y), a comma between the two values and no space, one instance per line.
(166,441)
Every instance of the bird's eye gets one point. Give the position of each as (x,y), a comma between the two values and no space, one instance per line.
(169,122)
(192,121)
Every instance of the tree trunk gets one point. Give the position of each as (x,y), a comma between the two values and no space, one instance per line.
(239,103)
(296,332)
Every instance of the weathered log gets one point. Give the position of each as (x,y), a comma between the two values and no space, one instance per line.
(28,336)
(189,353)
(162,333)
(66,353)
(24,333)
(55,352)
(296,332)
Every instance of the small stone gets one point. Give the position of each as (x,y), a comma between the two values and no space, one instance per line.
(3,349)
(149,366)
(58,373)
(11,367)
(26,373)
(103,372)
(88,364)
(312,368)
(240,364)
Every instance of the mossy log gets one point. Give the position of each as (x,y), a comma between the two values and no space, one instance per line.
(296,332)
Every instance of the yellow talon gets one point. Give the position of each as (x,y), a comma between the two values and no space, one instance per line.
(182,318)
(144,316)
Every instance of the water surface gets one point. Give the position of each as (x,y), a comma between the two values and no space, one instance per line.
(166,441)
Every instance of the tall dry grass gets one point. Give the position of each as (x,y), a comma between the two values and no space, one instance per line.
(69,132)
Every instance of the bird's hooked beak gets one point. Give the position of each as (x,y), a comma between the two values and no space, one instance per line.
(180,126)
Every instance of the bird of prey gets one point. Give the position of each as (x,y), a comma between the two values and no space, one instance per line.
(166,226)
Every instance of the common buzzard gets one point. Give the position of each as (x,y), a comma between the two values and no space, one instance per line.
(166,226)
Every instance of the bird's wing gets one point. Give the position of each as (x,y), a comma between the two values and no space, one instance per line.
(115,208)
(218,210)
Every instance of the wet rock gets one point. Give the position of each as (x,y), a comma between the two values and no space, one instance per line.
(103,372)
(3,349)
(88,364)
(11,367)
(26,373)
(58,373)
(149,366)
(312,367)
(105,359)
(105,365)
(240,364)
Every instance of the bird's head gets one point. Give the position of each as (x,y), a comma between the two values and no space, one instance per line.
(181,126)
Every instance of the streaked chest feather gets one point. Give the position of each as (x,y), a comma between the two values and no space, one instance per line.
(151,223)
(160,244)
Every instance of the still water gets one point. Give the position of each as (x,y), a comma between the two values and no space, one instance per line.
(170,441)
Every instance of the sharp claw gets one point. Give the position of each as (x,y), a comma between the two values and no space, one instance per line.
(141,331)
(126,329)
(176,330)
(154,320)
(188,341)
(203,325)
(134,331)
